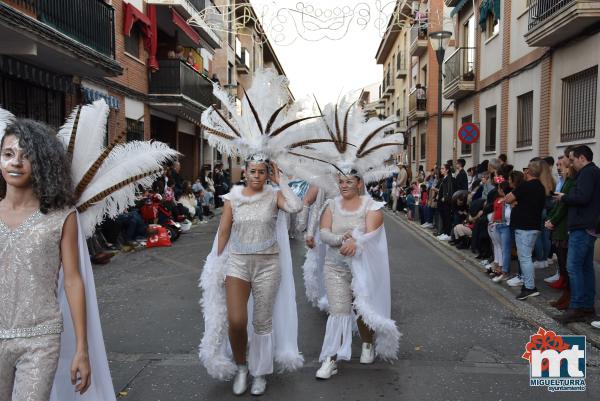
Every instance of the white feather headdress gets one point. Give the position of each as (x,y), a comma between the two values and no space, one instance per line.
(105,178)
(357,145)
(258,130)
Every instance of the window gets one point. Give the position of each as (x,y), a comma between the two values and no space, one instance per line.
(132,42)
(578,116)
(524,119)
(465,148)
(414,148)
(135,130)
(492,25)
(229,73)
(490,129)
(422,145)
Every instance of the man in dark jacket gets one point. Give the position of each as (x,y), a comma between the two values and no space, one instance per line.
(462,181)
(444,198)
(583,202)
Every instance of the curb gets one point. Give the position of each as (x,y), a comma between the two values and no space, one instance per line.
(536,310)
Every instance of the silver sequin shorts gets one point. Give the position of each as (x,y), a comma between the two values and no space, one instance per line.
(263,273)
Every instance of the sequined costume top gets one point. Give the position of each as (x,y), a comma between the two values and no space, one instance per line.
(254,229)
(344,221)
(29,265)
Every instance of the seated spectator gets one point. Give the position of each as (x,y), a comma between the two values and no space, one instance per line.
(190,203)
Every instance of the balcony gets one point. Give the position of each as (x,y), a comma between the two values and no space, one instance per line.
(460,73)
(178,88)
(389,84)
(75,37)
(401,70)
(418,40)
(417,108)
(190,10)
(242,61)
(554,21)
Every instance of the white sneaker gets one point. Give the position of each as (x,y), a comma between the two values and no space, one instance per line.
(240,381)
(484,262)
(540,264)
(553,278)
(549,261)
(596,324)
(499,278)
(327,369)
(259,385)
(444,237)
(368,353)
(515,281)
(427,225)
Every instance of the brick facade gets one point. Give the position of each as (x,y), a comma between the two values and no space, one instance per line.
(545,106)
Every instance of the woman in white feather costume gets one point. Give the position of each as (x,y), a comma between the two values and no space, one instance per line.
(355,272)
(248,294)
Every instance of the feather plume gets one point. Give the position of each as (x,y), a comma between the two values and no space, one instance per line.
(226,121)
(91,173)
(124,161)
(372,149)
(65,132)
(372,135)
(89,134)
(254,113)
(6,117)
(273,118)
(288,125)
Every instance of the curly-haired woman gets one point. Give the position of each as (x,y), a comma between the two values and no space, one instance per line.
(38,235)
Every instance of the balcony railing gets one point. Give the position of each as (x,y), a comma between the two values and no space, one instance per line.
(417,104)
(460,66)
(175,77)
(90,22)
(418,39)
(541,10)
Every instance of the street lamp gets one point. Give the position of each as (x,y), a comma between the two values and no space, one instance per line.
(439,41)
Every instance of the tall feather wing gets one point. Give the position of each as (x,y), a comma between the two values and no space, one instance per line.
(89,142)
(125,160)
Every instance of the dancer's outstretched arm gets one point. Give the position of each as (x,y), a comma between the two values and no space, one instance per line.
(80,367)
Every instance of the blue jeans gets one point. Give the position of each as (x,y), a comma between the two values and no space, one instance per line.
(543,246)
(525,240)
(580,266)
(503,231)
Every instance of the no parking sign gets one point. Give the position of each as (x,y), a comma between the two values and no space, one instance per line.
(468,133)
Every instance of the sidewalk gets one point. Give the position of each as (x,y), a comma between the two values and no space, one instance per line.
(536,310)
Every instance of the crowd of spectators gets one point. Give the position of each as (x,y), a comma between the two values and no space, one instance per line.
(171,202)
(516,222)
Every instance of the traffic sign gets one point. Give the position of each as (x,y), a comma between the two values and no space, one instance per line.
(468,133)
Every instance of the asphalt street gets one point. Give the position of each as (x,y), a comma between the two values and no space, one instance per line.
(460,340)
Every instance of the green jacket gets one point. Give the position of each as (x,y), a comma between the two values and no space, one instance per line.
(558,214)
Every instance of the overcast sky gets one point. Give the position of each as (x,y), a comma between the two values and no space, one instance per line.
(325,56)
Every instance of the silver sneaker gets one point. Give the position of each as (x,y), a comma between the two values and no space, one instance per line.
(327,369)
(368,354)
(259,385)
(240,381)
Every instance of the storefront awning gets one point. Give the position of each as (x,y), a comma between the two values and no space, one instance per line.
(90,95)
(182,24)
(27,72)
(459,6)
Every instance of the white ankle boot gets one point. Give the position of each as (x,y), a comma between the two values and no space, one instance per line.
(240,381)
(327,369)
(368,353)
(259,385)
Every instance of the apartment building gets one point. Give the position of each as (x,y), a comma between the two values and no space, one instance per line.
(61,53)
(526,71)
(409,61)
